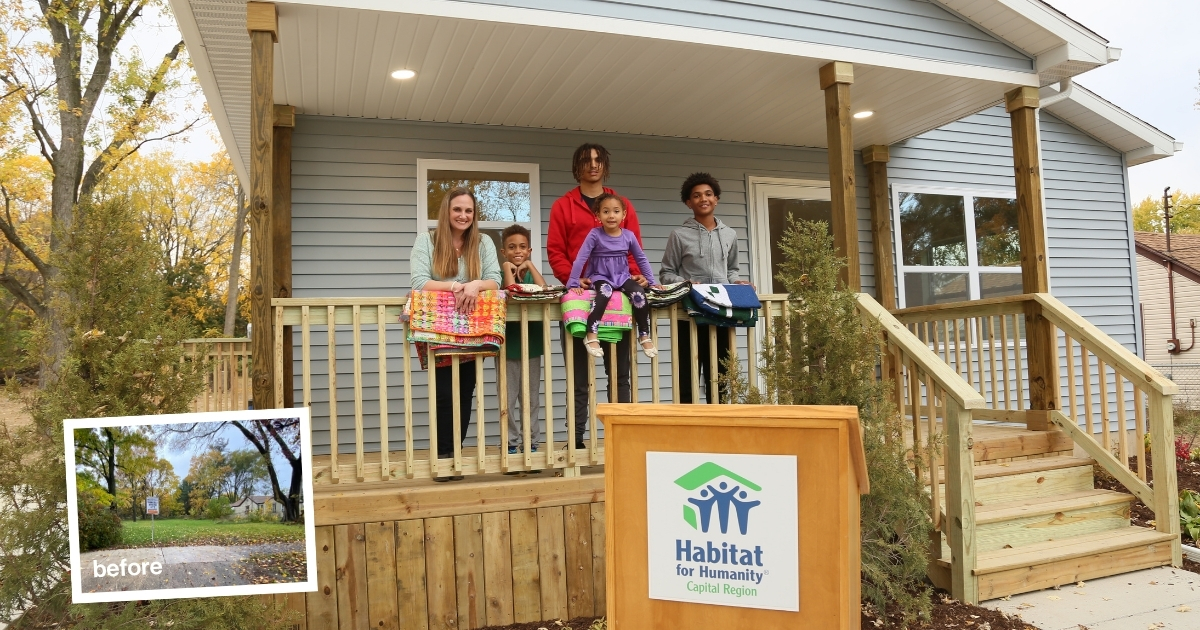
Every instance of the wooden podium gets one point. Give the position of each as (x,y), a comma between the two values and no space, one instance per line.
(732,516)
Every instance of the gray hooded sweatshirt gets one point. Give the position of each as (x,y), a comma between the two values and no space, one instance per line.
(697,254)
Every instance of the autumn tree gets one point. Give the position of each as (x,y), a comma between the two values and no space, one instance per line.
(189,210)
(1185,214)
(148,475)
(106,452)
(89,102)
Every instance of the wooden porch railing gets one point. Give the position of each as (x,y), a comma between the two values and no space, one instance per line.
(227,382)
(929,392)
(1102,386)
(315,319)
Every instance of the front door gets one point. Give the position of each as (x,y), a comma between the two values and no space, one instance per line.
(774,202)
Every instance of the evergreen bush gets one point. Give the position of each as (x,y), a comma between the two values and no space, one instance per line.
(824,353)
(123,358)
(99,525)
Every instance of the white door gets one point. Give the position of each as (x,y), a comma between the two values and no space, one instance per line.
(772,202)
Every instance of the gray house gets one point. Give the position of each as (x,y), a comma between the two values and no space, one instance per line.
(979,194)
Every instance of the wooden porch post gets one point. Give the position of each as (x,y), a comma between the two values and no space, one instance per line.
(875,158)
(1022,104)
(261,22)
(281,229)
(836,78)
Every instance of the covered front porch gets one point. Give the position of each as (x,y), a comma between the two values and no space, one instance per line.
(984,385)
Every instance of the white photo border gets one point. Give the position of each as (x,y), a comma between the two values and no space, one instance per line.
(306,490)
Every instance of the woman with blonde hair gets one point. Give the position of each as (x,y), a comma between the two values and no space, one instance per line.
(456,257)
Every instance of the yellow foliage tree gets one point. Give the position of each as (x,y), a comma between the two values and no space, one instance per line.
(87,99)
(1185,214)
(189,210)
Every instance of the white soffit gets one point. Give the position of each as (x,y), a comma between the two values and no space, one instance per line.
(1062,47)
(219,47)
(336,62)
(1137,139)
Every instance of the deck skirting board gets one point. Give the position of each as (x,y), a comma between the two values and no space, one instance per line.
(461,557)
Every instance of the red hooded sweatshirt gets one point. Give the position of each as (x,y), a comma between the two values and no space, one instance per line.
(570,221)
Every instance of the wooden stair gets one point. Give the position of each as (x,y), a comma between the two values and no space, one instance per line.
(1040,521)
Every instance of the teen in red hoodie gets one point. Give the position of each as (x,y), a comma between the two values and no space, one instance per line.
(571,219)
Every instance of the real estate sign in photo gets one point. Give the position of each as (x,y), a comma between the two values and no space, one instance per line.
(722,529)
(190,505)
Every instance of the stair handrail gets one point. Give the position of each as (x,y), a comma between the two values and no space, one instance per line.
(1160,392)
(900,336)
(959,398)
(1114,354)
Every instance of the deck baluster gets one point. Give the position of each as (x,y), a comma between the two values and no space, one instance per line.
(385,466)
(356,314)
(331,346)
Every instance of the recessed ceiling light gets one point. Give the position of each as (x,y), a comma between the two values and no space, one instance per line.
(864,114)
(403,74)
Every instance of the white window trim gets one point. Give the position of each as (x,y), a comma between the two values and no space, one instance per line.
(535,195)
(760,189)
(972,268)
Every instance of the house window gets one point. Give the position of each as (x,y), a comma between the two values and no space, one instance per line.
(506,192)
(955,245)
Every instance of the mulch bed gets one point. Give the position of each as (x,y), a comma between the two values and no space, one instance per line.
(578,623)
(947,613)
(1188,476)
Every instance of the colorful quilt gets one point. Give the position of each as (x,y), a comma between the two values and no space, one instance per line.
(534,293)
(435,325)
(667,295)
(617,319)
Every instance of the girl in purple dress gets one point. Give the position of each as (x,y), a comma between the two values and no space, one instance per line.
(605,256)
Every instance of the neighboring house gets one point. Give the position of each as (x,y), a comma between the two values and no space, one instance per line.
(978,193)
(1169,286)
(257,503)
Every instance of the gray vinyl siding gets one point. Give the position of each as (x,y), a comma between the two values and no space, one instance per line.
(1087,219)
(354,190)
(916,28)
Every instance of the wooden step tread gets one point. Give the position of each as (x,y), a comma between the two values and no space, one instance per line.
(1062,503)
(1020,467)
(1070,548)
(1019,443)
(1040,464)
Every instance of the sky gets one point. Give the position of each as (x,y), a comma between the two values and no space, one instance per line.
(1156,78)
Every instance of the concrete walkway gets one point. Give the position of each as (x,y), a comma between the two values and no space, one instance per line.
(1164,598)
(182,567)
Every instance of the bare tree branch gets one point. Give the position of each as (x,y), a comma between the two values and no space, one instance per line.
(23,294)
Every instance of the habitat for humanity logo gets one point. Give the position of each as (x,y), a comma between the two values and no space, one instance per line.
(723,497)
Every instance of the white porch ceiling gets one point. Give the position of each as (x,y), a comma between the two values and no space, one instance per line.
(337,62)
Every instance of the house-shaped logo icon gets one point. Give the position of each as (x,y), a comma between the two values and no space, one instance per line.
(729,493)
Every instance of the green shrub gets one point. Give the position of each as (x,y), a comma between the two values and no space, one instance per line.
(217,508)
(261,516)
(1189,513)
(825,354)
(99,526)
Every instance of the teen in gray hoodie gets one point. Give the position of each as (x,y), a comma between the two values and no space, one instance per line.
(703,250)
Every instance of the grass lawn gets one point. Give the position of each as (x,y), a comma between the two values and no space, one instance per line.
(200,532)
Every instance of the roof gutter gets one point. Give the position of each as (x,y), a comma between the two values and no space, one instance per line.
(1065,88)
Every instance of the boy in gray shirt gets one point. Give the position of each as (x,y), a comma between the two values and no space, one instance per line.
(703,250)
